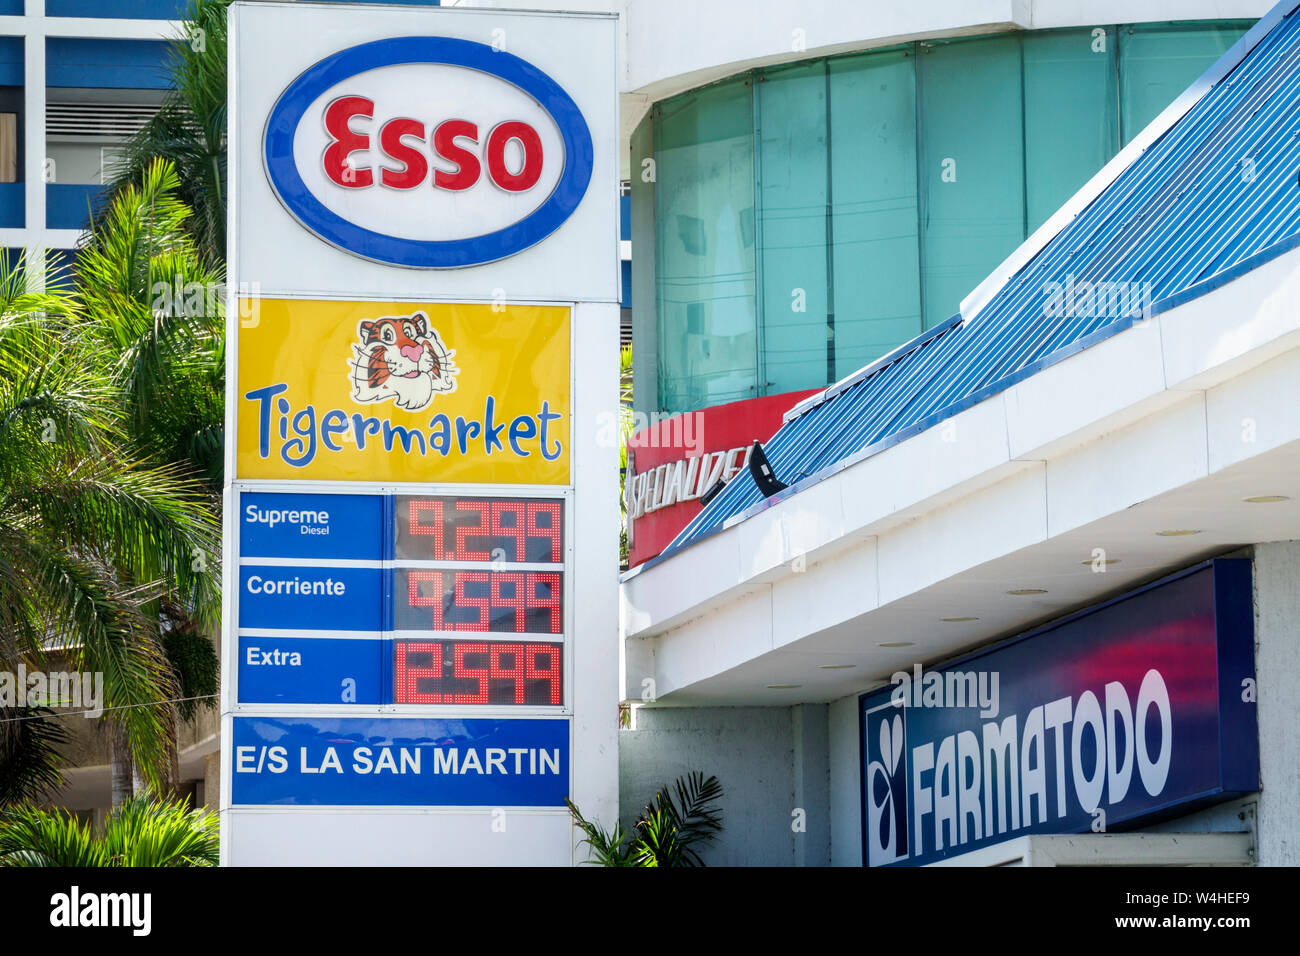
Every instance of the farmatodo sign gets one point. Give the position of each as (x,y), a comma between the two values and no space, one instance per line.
(1124,713)
(423,224)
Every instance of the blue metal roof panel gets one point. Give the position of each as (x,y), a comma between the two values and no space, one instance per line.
(1216,193)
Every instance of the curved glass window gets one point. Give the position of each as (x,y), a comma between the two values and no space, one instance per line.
(809,218)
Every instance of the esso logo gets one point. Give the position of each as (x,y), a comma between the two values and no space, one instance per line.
(402,141)
(430,152)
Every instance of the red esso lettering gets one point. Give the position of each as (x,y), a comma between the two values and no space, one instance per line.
(406,142)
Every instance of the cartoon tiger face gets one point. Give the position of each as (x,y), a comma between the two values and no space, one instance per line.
(402,358)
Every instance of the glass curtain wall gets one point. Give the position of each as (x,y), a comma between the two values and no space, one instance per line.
(811,218)
(705,232)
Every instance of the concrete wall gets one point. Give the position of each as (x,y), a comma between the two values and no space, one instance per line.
(1277,664)
(771,762)
(845,782)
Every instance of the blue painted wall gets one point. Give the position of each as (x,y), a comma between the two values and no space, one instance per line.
(117,9)
(112,64)
(11,61)
(12,207)
(68,205)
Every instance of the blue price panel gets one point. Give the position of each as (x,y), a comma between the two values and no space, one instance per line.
(273,525)
(310,670)
(400,762)
(313,599)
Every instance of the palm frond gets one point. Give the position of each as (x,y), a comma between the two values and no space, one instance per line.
(150,832)
(30,836)
(143,831)
(31,741)
(189,130)
(608,847)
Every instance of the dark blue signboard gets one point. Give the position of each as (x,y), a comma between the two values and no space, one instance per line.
(310,670)
(312,598)
(274,525)
(400,762)
(1135,710)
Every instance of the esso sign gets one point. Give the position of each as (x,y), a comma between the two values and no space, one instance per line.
(430,152)
(403,153)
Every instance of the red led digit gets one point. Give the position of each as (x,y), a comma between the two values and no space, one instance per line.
(406,679)
(434,600)
(434,528)
(472,673)
(464,600)
(515,673)
(517,586)
(483,527)
(550,653)
(553,530)
(514,528)
(543,591)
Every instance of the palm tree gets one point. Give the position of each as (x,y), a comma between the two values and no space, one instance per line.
(31,743)
(668,831)
(94,536)
(189,131)
(140,832)
(152,304)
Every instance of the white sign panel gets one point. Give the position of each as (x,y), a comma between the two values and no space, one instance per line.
(426,142)
(421,352)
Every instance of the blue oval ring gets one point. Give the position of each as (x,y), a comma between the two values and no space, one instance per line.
(288,112)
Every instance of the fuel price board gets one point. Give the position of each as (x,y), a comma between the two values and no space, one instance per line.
(401,599)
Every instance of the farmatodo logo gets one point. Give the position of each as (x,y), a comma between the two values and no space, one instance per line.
(886,786)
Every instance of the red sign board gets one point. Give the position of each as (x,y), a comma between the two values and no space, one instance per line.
(671,463)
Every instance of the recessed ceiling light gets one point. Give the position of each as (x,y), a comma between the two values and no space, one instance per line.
(957,620)
(1022,592)
(1092,561)
(783,686)
(1177,532)
(894,644)
(1266,499)
(836,667)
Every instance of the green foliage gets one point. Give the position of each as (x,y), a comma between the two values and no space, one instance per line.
(99,527)
(30,743)
(196,666)
(111,419)
(669,831)
(144,831)
(608,847)
(151,303)
(189,131)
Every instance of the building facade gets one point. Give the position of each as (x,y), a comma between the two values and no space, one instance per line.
(841,185)
(1033,258)
(78,79)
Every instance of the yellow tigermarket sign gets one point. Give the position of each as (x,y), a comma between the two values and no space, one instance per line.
(402,391)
